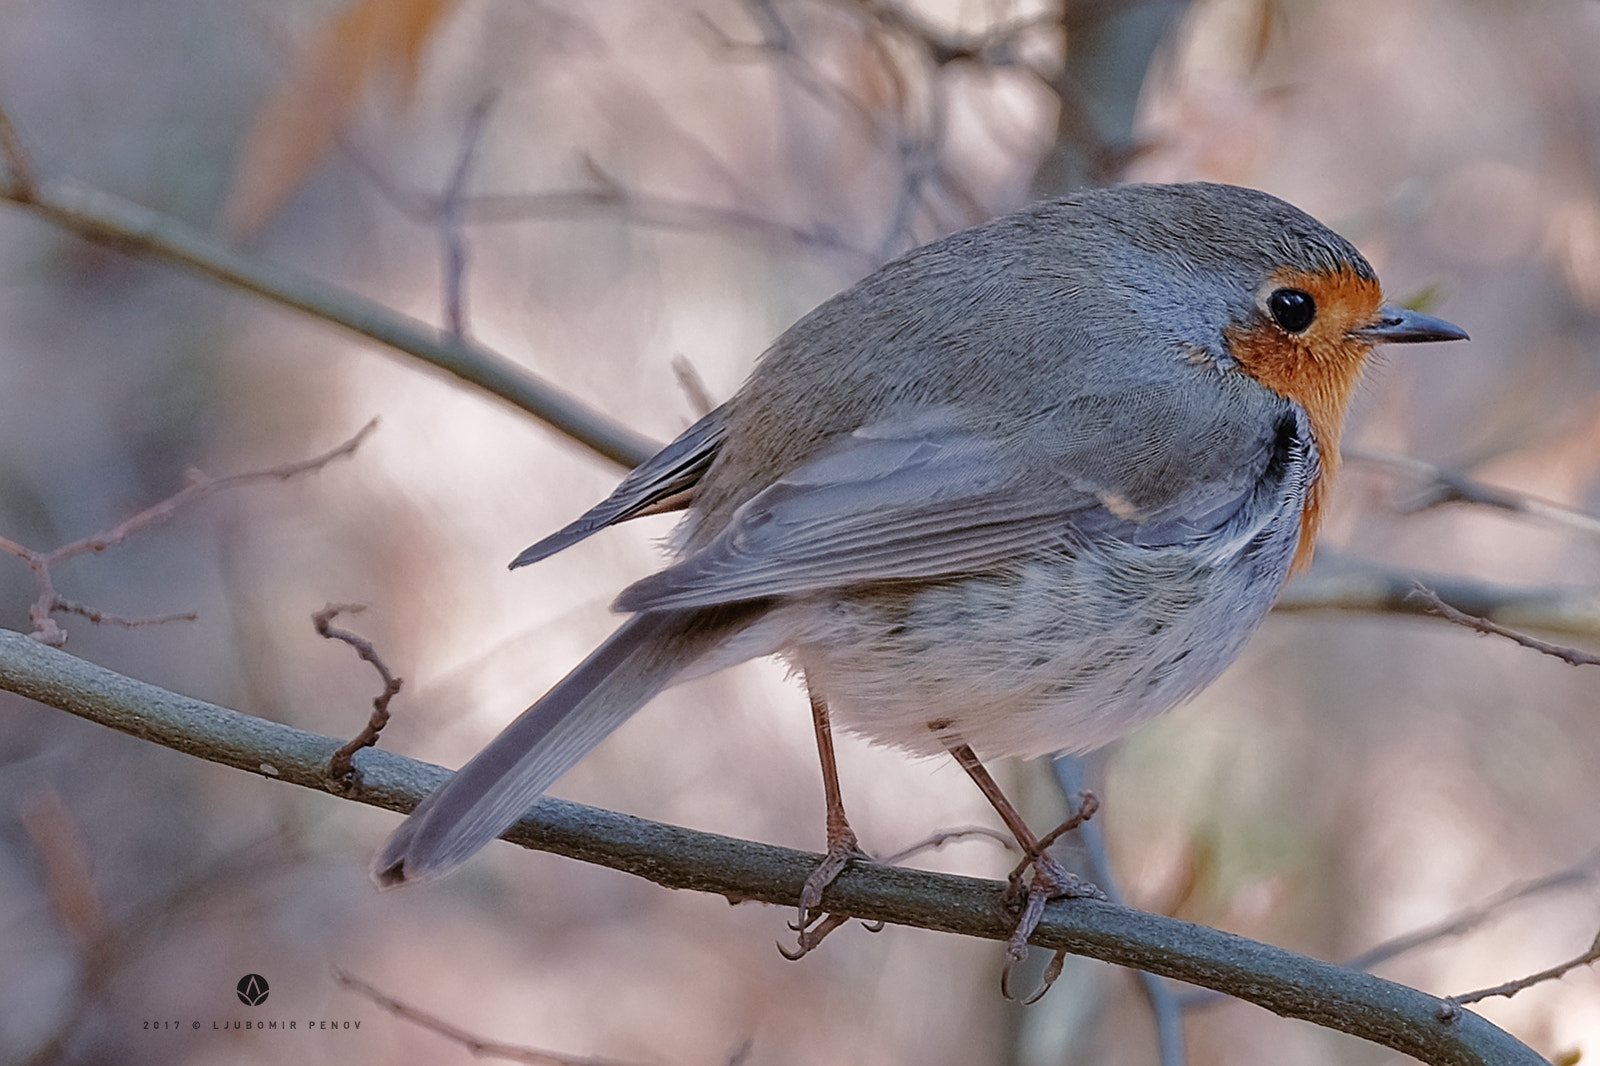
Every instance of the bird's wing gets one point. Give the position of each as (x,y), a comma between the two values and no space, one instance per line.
(664,482)
(922,498)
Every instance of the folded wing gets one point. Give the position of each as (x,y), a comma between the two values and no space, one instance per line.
(923,498)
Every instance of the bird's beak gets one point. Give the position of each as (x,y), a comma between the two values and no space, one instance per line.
(1397,325)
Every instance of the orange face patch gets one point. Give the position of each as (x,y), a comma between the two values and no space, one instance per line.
(1317,367)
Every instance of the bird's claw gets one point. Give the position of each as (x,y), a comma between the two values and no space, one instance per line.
(814,924)
(841,852)
(812,934)
(1050,881)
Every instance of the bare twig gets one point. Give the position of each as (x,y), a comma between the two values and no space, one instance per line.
(935,841)
(23,186)
(1088,807)
(100,617)
(883,123)
(340,772)
(1344,584)
(1511,988)
(199,486)
(661,213)
(451,202)
(1437,606)
(1582,871)
(1442,486)
(693,386)
(477,1046)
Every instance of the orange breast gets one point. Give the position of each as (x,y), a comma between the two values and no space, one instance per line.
(1316,368)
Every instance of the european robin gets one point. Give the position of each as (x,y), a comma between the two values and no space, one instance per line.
(1015,493)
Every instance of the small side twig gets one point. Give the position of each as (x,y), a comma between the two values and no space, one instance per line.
(1437,606)
(100,617)
(342,776)
(450,206)
(1582,872)
(935,841)
(1088,806)
(478,1046)
(199,486)
(23,186)
(693,386)
(1511,988)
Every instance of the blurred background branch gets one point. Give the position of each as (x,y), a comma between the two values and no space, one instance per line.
(133,230)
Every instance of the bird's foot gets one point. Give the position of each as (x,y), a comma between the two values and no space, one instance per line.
(813,923)
(1049,881)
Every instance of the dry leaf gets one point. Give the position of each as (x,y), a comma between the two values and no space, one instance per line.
(371,42)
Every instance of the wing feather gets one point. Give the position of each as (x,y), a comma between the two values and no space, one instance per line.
(924,498)
(665,481)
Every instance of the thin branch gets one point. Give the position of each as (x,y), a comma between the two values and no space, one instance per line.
(1071,773)
(1458,924)
(48,602)
(1288,984)
(450,206)
(1435,605)
(1343,584)
(1442,486)
(476,1045)
(693,386)
(643,209)
(1578,873)
(1511,988)
(23,186)
(99,617)
(340,773)
(200,485)
(936,841)
(99,216)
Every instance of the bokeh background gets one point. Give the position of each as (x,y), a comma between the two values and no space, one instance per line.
(650,182)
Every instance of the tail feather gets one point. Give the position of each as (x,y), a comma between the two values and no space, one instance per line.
(490,793)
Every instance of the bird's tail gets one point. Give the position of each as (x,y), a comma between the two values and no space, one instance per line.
(489,794)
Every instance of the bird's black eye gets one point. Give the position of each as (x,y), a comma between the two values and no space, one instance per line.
(1293,309)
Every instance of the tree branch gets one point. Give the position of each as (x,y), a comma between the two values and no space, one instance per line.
(99,216)
(479,1047)
(1554,973)
(1431,1029)
(197,487)
(1343,584)
(1441,486)
(1431,600)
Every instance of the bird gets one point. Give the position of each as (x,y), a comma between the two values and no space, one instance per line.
(1015,493)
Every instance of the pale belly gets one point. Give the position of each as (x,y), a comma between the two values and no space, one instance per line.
(1065,653)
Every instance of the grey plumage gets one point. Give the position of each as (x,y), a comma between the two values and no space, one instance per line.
(1013,484)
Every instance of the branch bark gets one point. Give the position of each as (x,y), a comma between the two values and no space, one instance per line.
(1432,1029)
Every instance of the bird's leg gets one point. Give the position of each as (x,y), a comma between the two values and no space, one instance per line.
(842,845)
(1050,880)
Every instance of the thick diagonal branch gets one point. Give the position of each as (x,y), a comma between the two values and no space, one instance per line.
(1402,1018)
